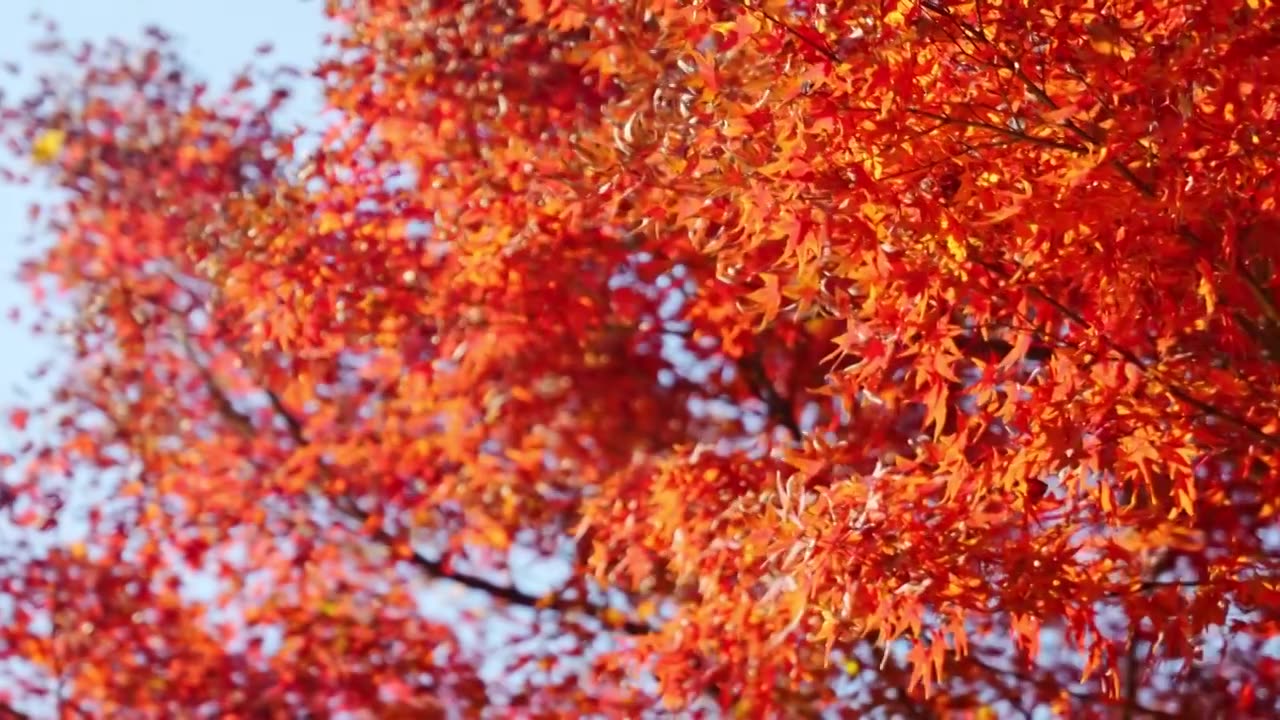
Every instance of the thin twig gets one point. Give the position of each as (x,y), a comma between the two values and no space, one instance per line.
(435,568)
(781,410)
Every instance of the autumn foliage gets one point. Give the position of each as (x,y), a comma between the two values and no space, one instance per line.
(767,359)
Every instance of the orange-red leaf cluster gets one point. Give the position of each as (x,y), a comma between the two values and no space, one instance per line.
(604,357)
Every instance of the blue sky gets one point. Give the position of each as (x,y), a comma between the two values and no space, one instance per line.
(216,38)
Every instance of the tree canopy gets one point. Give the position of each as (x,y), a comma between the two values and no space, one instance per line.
(772,358)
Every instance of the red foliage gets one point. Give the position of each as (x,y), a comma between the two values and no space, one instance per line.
(780,358)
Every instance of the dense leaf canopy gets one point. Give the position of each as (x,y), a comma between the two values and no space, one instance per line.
(613,358)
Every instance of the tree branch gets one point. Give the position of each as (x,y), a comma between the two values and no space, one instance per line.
(821,48)
(781,410)
(435,568)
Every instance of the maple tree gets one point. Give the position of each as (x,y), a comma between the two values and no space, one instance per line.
(779,358)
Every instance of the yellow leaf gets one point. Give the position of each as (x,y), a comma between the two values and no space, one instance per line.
(496,535)
(1208,293)
(48,146)
(767,298)
(329,222)
(872,212)
(1186,502)
(647,609)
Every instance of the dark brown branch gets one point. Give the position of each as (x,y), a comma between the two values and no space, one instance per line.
(781,410)
(435,568)
(438,568)
(1091,698)
(1129,356)
(999,130)
(1019,72)
(1173,389)
(1130,698)
(1158,565)
(834,57)
(1260,296)
(821,48)
(1269,307)
(502,593)
(1142,186)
